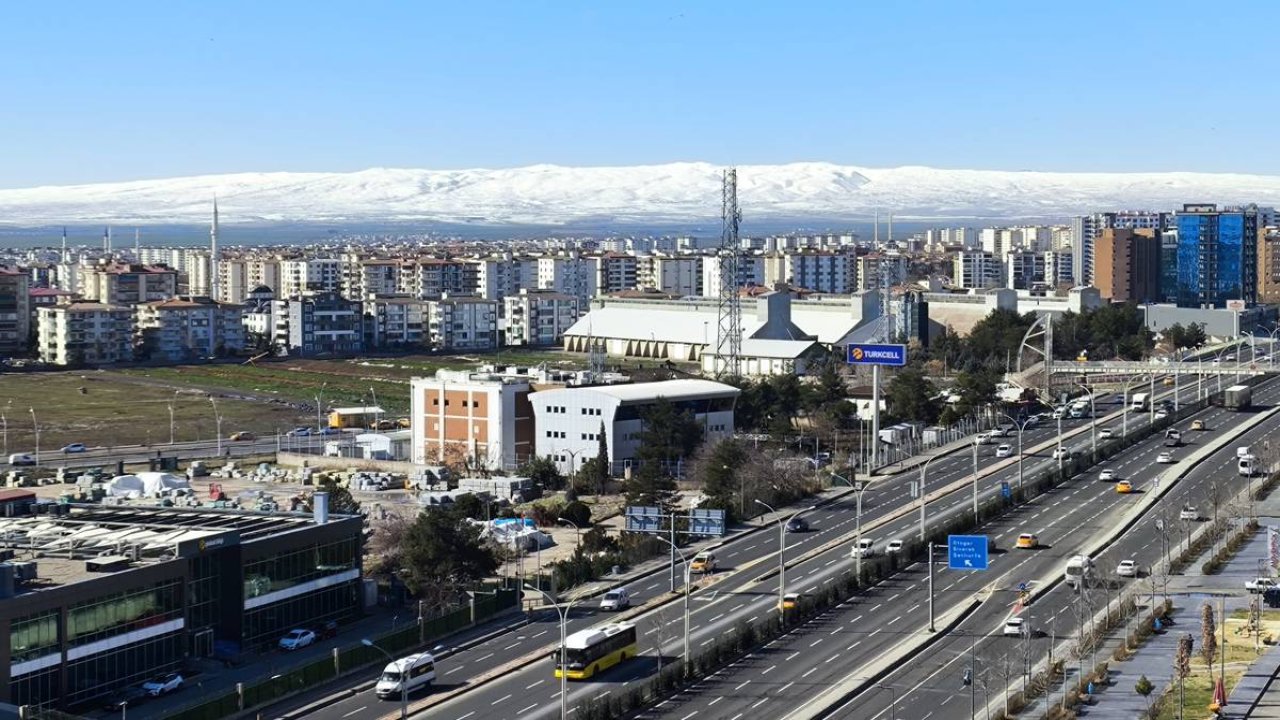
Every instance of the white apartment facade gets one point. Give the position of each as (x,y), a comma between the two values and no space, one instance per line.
(462,324)
(85,333)
(750,273)
(680,275)
(188,328)
(976,269)
(539,318)
(300,275)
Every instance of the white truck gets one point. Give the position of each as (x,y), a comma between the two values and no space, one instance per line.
(1138,402)
(1258,585)
(1247,465)
(1080,569)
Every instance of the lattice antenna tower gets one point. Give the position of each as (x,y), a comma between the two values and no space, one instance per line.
(729,329)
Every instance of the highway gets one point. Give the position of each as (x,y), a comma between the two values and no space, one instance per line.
(107,457)
(827,650)
(727,602)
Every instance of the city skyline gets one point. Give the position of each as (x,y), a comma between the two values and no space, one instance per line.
(176,91)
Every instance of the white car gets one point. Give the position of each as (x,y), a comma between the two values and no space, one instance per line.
(1162,414)
(864,548)
(1059,413)
(297,639)
(1061,453)
(74,448)
(615,600)
(1189,512)
(1164,458)
(163,684)
(893,546)
(1004,451)
(1127,568)
(1259,585)
(1015,627)
(1106,433)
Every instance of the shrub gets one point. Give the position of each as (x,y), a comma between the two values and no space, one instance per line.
(577,513)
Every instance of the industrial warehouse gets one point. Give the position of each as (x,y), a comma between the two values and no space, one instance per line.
(98,597)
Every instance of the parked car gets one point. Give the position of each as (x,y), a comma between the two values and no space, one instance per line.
(74,448)
(163,684)
(797,524)
(297,639)
(1127,568)
(1016,627)
(126,699)
(1004,451)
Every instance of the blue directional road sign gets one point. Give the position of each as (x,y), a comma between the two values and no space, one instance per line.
(1006,491)
(967,552)
(869,354)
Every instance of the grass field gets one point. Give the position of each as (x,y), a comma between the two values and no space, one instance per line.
(102,408)
(131,406)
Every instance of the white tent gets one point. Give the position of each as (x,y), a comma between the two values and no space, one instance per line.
(145,484)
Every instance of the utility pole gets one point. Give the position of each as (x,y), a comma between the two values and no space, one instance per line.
(729,327)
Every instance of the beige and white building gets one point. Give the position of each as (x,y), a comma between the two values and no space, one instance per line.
(186,328)
(539,318)
(464,323)
(85,333)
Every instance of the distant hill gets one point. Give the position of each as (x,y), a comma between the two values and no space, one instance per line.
(676,193)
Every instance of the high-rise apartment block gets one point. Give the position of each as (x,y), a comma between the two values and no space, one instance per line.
(1217,255)
(976,269)
(188,328)
(1086,229)
(1127,264)
(539,317)
(464,324)
(127,284)
(85,333)
(1269,265)
(15,310)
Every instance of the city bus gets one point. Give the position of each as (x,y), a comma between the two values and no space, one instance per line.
(596,649)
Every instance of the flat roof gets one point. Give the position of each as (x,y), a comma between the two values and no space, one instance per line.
(641,392)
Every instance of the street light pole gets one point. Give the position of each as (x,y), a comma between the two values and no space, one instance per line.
(782,548)
(922,496)
(172,434)
(857,529)
(688,588)
(564,651)
(404,677)
(577,531)
(1020,426)
(217,420)
(893,700)
(36,425)
(1093,420)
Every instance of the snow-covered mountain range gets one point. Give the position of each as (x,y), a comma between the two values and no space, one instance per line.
(650,194)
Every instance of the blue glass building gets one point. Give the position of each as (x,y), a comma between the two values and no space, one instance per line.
(1217,256)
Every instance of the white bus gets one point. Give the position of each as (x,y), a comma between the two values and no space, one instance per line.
(420,670)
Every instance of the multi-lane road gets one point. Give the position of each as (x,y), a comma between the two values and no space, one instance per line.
(529,691)
(798,667)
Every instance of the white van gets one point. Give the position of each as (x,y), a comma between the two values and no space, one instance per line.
(22,459)
(616,599)
(415,671)
(1245,466)
(864,548)
(1241,452)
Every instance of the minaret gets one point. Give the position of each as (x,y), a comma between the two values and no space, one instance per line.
(64,243)
(890,227)
(137,245)
(875,239)
(106,241)
(213,253)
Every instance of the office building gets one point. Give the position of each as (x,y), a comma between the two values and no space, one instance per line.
(113,595)
(1217,255)
(477,419)
(569,420)
(1127,265)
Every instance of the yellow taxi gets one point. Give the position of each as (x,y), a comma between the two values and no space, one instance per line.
(1197,424)
(1027,541)
(1168,381)
(1124,486)
(704,562)
(790,601)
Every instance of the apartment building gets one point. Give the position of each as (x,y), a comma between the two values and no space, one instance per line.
(750,273)
(15,311)
(500,276)
(362,277)
(318,323)
(539,317)
(571,275)
(116,283)
(614,272)
(302,275)
(823,272)
(1024,269)
(262,272)
(233,280)
(465,323)
(1085,229)
(478,419)
(85,333)
(976,269)
(186,328)
(1127,265)
(1269,265)
(395,322)
(878,270)
(426,278)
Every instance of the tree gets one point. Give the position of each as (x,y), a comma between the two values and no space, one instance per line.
(1208,635)
(600,475)
(910,396)
(719,471)
(667,434)
(443,555)
(544,472)
(577,513)
(341,501)
(1182,668)
(1145,688)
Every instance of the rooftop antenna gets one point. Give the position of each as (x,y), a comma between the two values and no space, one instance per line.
(729,329)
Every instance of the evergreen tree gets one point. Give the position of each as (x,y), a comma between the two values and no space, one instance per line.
(443,555)
(601,474)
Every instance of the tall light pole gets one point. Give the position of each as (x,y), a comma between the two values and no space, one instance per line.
(404,677)
(171,424)
(857,529)
(688,588)
(36,425)
(923,467)
(564,651)
(782,547)
(577,531)
(320,406)
(217,421)
(893,700)
(1021,426)
(4,423)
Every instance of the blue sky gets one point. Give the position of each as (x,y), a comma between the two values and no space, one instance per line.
(118,91)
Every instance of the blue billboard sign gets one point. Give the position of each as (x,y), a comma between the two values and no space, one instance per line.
(869,354)
(967,552)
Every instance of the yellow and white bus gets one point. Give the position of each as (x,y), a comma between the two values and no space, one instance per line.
(596,649)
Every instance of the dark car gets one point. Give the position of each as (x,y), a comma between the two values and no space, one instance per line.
(327,630)
(129,697)
(796,524)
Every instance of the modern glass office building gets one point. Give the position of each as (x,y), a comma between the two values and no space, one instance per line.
(1217,256)
(94,598)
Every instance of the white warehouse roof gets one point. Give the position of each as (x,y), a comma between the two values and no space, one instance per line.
(644,392)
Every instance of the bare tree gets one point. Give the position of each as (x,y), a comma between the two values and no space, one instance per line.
(1208,635)
(1182,669)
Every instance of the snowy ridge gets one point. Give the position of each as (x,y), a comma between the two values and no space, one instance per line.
(671,193)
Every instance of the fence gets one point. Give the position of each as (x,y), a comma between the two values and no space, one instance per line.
(349,659)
